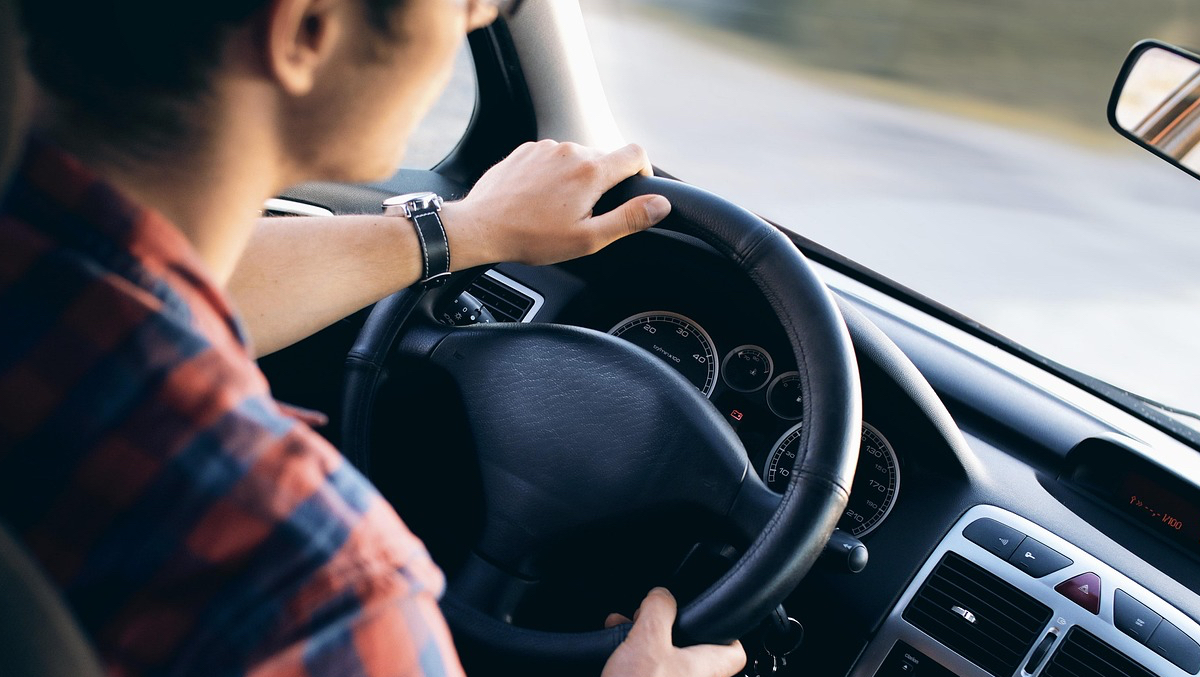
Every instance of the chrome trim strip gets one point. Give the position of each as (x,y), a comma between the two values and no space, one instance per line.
(538,299)
(760,349)
(279,204)
(712,347)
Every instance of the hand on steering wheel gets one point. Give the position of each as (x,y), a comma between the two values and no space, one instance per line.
(554,409)
(649,651)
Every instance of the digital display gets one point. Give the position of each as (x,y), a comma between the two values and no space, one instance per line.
(1157,500)
(1162,511)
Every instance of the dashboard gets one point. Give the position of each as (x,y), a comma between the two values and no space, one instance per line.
(719,335)
(951,440)
(757,402)
(1089,618)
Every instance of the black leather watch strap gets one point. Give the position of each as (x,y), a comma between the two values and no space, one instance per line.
(435,248)
(422,210)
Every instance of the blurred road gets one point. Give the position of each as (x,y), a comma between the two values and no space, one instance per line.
(1090,256)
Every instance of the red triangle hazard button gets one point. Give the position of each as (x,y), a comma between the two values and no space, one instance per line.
(1083,589)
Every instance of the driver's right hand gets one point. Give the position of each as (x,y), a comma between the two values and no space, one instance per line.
(535,206)
(649,652)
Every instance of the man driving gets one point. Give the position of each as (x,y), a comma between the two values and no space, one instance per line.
(193,526)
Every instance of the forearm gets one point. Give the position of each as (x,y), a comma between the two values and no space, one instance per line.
(301,274)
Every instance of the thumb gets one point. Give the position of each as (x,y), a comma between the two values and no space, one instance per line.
(614,619)
(638,214)
(655,618)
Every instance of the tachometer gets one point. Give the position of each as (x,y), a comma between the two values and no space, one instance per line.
(676,340)
(876,481)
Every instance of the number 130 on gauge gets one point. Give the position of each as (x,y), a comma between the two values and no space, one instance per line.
(876,480)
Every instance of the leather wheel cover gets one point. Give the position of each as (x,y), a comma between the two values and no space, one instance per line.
(792,535)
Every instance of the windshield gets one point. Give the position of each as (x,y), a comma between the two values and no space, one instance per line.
(959,148)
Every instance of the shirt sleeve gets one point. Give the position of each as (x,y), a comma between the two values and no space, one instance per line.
(337,585)
(385,625)
(369,608)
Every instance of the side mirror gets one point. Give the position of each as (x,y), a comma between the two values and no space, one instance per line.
(1156,103)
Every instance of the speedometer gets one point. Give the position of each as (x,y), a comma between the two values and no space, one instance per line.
(876,480)
(676,340)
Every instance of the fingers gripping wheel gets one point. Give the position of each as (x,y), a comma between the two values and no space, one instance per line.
(522,465)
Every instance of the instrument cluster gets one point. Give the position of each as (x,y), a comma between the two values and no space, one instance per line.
(761,395)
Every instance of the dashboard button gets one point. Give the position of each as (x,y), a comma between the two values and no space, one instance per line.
(905,661)
(1037,559)
(1172,644)
(1134,618)
(1001,540)
(1083,589)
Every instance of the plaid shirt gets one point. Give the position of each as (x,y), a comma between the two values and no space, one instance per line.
(193,527)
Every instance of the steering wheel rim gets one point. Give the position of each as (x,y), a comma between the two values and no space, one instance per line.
(795,532)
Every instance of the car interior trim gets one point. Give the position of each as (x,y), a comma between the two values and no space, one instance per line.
(880,287)
(916,333)
(279,205)
(538,299)
(1066,613)
(564,84)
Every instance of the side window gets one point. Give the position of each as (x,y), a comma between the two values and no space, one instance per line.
(446,123)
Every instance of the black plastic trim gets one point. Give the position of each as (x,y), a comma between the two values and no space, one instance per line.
(1123,399)
(1135,53)
(503,117)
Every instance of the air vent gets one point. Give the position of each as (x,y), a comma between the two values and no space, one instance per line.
(978,615)
(1082,654)
(509,300)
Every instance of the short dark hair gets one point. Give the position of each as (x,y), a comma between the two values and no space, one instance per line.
(131,66)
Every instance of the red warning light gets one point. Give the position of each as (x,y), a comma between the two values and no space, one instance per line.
(735,415)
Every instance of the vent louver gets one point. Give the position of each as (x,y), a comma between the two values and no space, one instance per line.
(978,615)
(1082,654)
(506,303)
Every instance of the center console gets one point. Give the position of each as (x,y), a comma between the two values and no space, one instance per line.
(1003,597)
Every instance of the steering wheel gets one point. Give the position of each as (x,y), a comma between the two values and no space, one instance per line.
(575,427)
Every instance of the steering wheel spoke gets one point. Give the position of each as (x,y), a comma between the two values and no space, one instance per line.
(575,427)
(754,508)
(489,588)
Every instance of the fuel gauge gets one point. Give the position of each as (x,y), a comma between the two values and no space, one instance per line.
(785,397)
(747,368)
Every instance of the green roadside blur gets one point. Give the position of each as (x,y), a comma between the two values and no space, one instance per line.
(1056,58)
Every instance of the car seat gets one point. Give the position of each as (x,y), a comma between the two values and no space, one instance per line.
(38,636)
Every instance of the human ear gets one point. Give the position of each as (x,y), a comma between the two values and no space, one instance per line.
(301,36)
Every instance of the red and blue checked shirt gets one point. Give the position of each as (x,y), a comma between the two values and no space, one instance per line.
(193,527)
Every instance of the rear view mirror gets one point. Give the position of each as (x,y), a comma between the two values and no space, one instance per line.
(1156,103)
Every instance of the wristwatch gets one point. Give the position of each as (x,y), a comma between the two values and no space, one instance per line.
(422,209)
